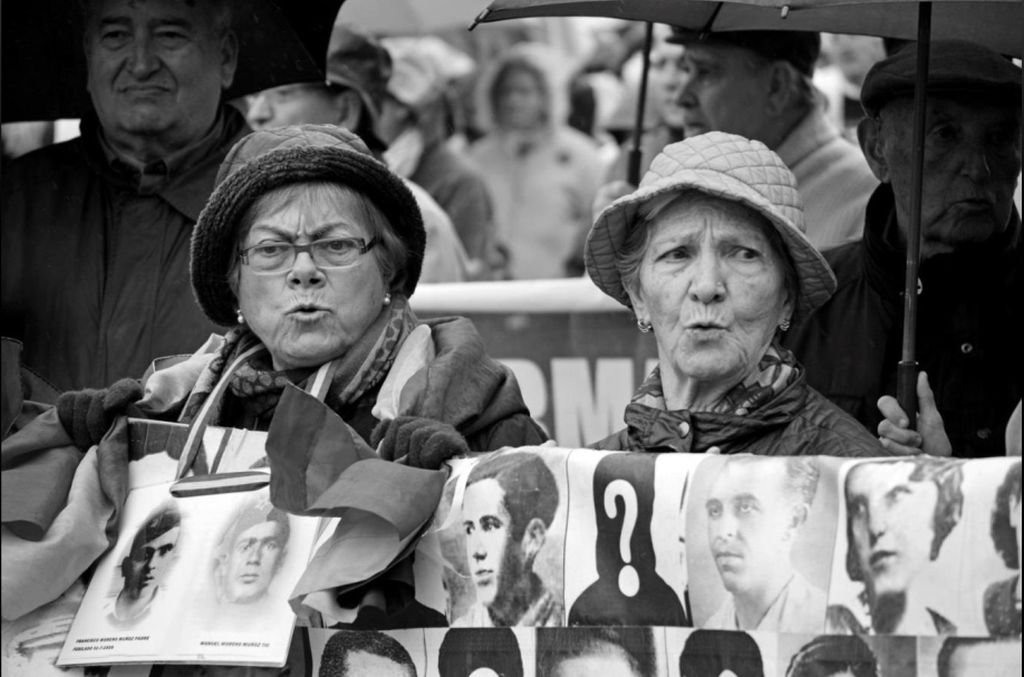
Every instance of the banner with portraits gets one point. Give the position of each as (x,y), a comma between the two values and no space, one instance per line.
(545,560)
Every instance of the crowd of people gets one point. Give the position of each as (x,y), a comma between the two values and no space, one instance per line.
(762,249)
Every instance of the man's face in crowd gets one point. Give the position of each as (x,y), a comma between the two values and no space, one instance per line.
(750,520)
(253,561)
(891,520)
(724,90)
(988,659)
(148,567)
(295,104)
(495,562)
(971,163)
(157,68)
(363,664)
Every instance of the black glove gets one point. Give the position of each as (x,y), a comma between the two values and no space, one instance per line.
(87,414)
(418,442)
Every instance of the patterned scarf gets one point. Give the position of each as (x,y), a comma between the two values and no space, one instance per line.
(654,427)
(258,386)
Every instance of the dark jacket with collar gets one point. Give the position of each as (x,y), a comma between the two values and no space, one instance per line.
(796,422)
(968,332)
(95,262)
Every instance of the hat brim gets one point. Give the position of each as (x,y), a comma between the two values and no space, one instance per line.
(816,280)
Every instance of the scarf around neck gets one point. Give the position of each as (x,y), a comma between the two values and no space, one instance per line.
(258,386)
(651,425)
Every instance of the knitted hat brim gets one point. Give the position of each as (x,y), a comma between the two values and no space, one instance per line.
(816,280)
(215,237)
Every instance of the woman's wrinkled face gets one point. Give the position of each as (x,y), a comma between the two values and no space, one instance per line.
(307,315)
(712,286)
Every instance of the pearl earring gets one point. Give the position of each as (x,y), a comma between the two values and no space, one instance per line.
(240,317)
(643,326)
(387,298)
(784,325)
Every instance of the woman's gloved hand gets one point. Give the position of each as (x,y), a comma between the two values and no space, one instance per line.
(87,414)
(418,442)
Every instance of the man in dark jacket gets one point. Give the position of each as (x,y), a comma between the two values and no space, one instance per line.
(969,287)
(96,231)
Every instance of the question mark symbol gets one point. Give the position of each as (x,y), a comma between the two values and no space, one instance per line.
(629,579)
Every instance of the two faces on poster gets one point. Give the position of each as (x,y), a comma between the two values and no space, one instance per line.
(917,546)
(247,557)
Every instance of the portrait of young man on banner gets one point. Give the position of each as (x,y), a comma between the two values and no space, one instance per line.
(969,656)
(508,529)
(899,513)
(350,653)
(145,566)
(757,524)
(250,553)
(1002,598)
(607,651)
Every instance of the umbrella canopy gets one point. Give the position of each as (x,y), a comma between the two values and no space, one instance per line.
(43,67)
(409,17)
(993,23)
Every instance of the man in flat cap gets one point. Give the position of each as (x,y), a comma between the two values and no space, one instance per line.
(758,84)
(969,287)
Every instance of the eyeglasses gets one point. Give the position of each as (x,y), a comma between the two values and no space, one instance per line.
(276,257)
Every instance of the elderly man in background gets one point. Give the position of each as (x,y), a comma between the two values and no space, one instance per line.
(969,286)
(96,230)
(358,71)
(758,84)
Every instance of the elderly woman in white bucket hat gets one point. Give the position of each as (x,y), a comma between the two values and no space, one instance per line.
(710,255)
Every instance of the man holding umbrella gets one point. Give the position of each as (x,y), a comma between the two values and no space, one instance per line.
(969,286)
(96,231)
(758,84)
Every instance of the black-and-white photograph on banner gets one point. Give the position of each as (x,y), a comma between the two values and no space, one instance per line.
(969,656)
(609,651)
(203,578)
(847,656)
(898,556)
(713,653)
(501,525)
(480,652)
(758,534)
(354,653)
(989,588)
(626,545)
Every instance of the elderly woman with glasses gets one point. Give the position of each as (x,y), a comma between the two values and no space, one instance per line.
(306,251)
(709,253)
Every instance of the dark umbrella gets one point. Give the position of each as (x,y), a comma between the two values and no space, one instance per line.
(994,23)
(43,69)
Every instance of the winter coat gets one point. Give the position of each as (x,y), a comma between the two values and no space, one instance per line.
(95,275)
(798,421)
(968,330)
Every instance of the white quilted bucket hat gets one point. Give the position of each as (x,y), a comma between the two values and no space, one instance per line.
(726,166)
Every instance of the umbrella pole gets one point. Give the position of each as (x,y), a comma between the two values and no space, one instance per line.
(906,384)
(633,168)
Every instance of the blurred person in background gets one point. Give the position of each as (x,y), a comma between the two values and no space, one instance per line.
(758,84)
(414,123)
(543,174)
(845,60)
(358,70)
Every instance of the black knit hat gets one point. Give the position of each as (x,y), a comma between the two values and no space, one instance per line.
(271,158)
(800,48)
